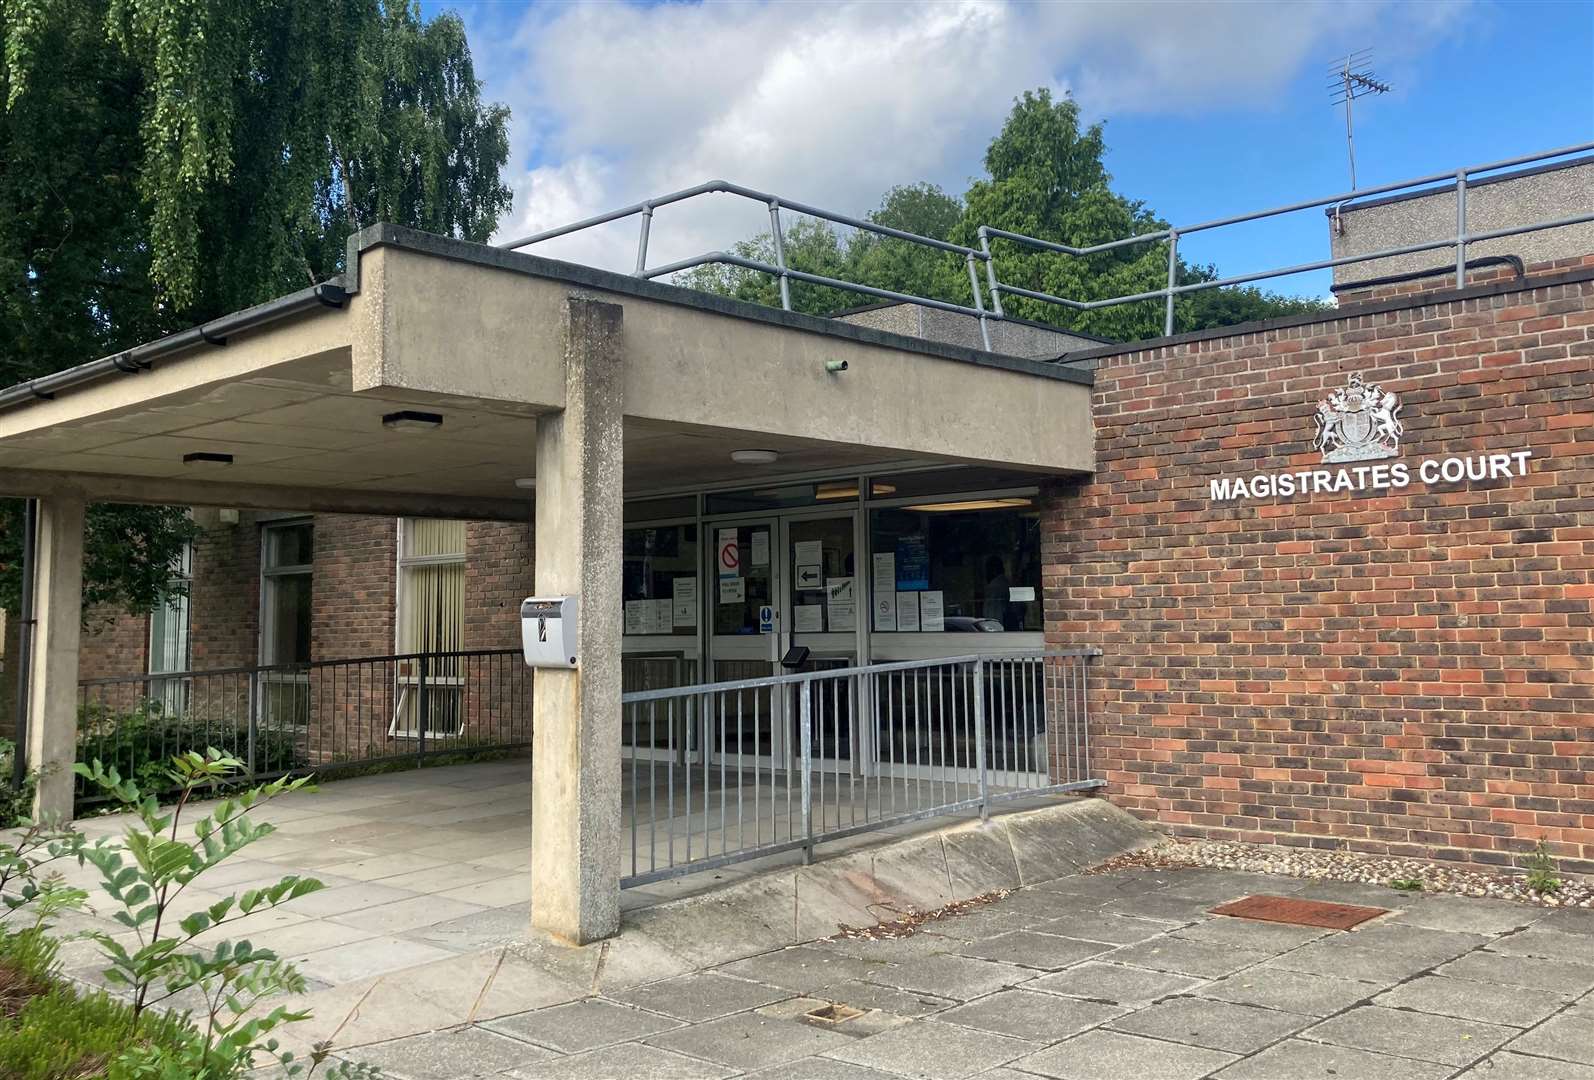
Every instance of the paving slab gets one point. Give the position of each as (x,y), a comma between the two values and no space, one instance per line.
(961,978)
(1103,926)
(1572,980)
(1252,933)
(1295,1059)
(1569,922)
(1165,906)
(752,1040)
(1292,991)
(1435,946)
(814,1068)
(1098,1054)
(1112,983)
(402,915)
(449,1055)
(366,957)
(1048,952)
(1506,1065)
(1546,944)
(908,1003)
(1403,1033)
(701,995)
(1185,957)
(628,1061)
(1514,1006)
(1382,966)
(1463,914)
(1216,1025)
(931,1050)
(1568,1037)
(802,969)
(582,1025)
(1025,1014)
(347,898)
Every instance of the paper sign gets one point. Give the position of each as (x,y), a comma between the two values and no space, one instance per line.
(685,601)
(932,611)
(907,611)
(841,603)
(885,610)
(760,555)
(1020,594)
(728,557)
(809,619)
(733,590)
(635,616)
(885,575)
(659,612)
(808,552)
(913,563)
(766,620)
(809,577)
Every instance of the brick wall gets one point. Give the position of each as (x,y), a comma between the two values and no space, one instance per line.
(1402,672)
(498,576)
(1476,275)
(114,643)
(352,590)
(224,599)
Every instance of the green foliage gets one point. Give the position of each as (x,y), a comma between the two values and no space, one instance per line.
(1405,884)
(1045,178)
(1540,866)
(141,741)
(168,161)
(15,802)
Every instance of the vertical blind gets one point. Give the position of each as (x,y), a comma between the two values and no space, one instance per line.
(432,609)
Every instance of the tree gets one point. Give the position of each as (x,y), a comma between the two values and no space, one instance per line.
(166,162)
(1045,178)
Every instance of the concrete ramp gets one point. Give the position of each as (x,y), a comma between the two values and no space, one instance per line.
(880,879)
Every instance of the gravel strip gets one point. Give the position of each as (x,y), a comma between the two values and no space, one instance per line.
(1321,865)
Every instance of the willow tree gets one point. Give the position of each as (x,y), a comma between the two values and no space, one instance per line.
(168,161)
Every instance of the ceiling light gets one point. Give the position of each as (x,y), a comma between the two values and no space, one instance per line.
(410,420)
(754,457)
(205,460)
(879,487)
(526,483)
(970,504)
(837,491)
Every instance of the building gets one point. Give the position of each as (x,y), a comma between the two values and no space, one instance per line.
(1336,565)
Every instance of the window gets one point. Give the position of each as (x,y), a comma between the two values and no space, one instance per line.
(285,578)
(431,621)
(169,636)
(958,566)
(659,581)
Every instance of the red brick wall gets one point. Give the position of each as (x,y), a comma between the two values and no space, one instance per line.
(352,591)
(224,599)
(1405,671)
(114,643)
(498,576)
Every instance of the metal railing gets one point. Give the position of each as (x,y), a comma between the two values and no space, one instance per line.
(729,771)
(313,717)
(1456,179)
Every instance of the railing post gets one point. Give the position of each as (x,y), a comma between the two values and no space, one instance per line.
(780,252)
(979,738)
(979,304)
(1173,279)
(1461,229)
(805,725)
(990,274)
(642,240)
(423,708)
(254,714)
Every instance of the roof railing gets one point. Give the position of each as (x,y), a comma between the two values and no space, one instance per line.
(784,274)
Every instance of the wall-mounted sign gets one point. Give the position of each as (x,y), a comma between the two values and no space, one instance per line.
(1361,422)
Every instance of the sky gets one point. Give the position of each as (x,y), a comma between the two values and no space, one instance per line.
(1211,109)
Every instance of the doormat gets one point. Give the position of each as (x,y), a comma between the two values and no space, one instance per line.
(1287,909)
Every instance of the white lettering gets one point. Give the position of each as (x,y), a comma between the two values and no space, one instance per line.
(1400,474)
(1342,481)
(1429,470)
(1222,489)
(1452,470)
(1522,461)
(1380,476)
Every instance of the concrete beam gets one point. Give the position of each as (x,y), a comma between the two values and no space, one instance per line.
(575,790)
(52,691)
(160,491)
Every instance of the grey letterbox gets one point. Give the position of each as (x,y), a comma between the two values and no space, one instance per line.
(548,627)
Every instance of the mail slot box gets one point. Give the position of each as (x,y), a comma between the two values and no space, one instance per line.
(548,627)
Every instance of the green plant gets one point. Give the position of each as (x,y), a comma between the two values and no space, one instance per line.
(1540,865)
(15,802)
(1409,884)
(146,875)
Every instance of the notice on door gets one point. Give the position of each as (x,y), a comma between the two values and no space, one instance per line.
(841,603)
(810,577)
(808,618)
(733,590)
(885,611)
(760,552)
(684,601)
(932,611)
(907,611)
(728,557)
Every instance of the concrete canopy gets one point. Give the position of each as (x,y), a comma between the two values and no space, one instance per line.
(472,333)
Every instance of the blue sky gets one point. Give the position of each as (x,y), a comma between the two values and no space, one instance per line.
(1211,109)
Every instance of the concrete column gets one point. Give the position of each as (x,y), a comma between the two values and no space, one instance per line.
(576,822)
(52,692)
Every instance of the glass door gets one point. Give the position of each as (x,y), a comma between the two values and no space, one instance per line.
(743,575)
(824,596)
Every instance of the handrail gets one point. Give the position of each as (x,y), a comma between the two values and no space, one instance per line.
(1456,179)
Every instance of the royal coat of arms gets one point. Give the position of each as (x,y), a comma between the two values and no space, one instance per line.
(1359,422)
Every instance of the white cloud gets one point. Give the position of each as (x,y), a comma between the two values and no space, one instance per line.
(831,104)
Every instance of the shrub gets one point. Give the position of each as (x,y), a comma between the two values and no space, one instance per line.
(15,802)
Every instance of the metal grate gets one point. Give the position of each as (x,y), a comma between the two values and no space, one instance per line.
(1288,909)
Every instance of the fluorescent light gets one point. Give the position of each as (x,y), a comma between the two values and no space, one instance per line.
(411,420)
(970,504)
(526,483)
(754,457)
(837,491)
(204,460)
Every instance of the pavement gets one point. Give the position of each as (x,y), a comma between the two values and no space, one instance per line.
(1116,975)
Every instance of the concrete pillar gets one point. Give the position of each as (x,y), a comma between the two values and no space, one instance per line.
(576,822)
(52,692)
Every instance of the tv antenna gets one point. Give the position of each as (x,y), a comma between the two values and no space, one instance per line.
(1348,80)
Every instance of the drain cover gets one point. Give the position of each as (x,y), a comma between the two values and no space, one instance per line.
(1288,909)
(834,1013)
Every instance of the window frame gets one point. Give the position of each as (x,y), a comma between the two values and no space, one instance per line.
(269,575)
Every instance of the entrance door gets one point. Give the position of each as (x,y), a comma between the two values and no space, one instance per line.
(825,608)
(743,577)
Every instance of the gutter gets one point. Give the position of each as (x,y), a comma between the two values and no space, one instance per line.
(143,357)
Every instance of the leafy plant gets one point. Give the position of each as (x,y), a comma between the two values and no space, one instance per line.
(1540,866)
(147,874)
(1406,884)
